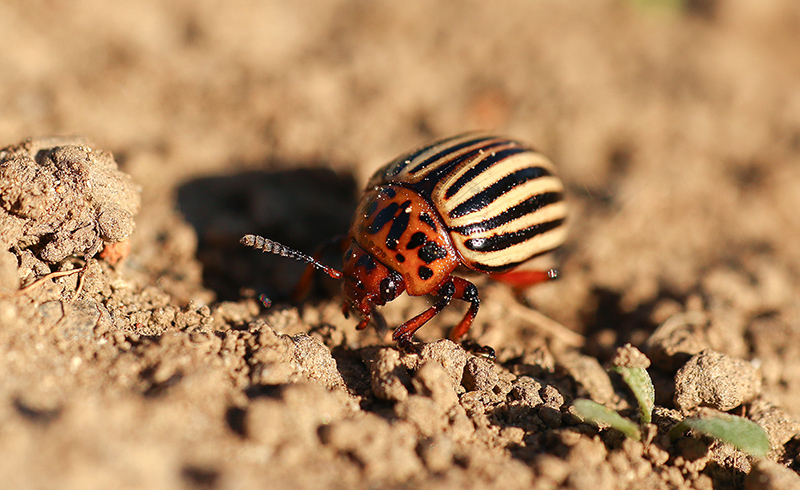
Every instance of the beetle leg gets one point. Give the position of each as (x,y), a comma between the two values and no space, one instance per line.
(363,323)
(366,308)
(520,279)
(455,287)
(404,332)
(465,291)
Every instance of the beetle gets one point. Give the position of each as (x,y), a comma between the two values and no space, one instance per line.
(484,202)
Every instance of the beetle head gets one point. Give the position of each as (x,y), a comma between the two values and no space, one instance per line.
(367,282)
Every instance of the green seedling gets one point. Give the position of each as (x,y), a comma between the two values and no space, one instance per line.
(740,432)
(642,388)
(641,385)
(598,414)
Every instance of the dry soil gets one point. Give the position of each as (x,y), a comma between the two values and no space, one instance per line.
(141,347)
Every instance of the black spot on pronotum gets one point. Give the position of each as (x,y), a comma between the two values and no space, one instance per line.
(384,216)
(425,273)
(417,240)
(400,258)
(370,208)
(426,218)
(399,226)
(431,251)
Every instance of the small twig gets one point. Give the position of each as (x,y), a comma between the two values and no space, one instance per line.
(80,282)
(52,275)
(692,318)
(545,325)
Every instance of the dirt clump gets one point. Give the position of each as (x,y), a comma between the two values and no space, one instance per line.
(61,197)
(715,380)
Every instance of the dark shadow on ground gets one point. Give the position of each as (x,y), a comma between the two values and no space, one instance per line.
(301,208)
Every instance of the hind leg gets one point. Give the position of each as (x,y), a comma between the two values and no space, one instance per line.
(520,279)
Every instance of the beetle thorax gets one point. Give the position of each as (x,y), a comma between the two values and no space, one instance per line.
(402,230)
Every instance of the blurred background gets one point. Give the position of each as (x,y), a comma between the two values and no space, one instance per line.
(674,124)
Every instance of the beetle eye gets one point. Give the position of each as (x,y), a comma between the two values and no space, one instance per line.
(388,288)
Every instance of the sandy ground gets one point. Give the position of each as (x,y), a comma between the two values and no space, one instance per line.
(150,362)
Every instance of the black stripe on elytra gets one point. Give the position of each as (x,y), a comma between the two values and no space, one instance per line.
(399,225)
(402,162)
(505,240)
(432,178)
(497,189)
(495,269)
(484,164)
(445,152)
(528,206)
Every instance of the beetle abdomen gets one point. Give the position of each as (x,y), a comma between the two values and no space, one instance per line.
(501,201)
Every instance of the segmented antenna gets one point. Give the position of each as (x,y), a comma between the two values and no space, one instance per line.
(269,246)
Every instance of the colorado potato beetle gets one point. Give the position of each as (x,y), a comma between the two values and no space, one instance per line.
(485,202)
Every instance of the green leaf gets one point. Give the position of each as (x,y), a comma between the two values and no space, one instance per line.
(599,415)
(740,432)
(641,385)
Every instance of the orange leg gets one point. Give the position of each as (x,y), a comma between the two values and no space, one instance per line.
(455,287)
(523,279)
(368,312)
(465,291)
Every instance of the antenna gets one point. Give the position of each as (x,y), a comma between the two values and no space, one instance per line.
(269,246)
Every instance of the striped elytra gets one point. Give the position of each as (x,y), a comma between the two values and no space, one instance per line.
(501,202)
(485,202)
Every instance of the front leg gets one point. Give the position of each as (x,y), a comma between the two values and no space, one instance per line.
(365,308)
(453,287)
